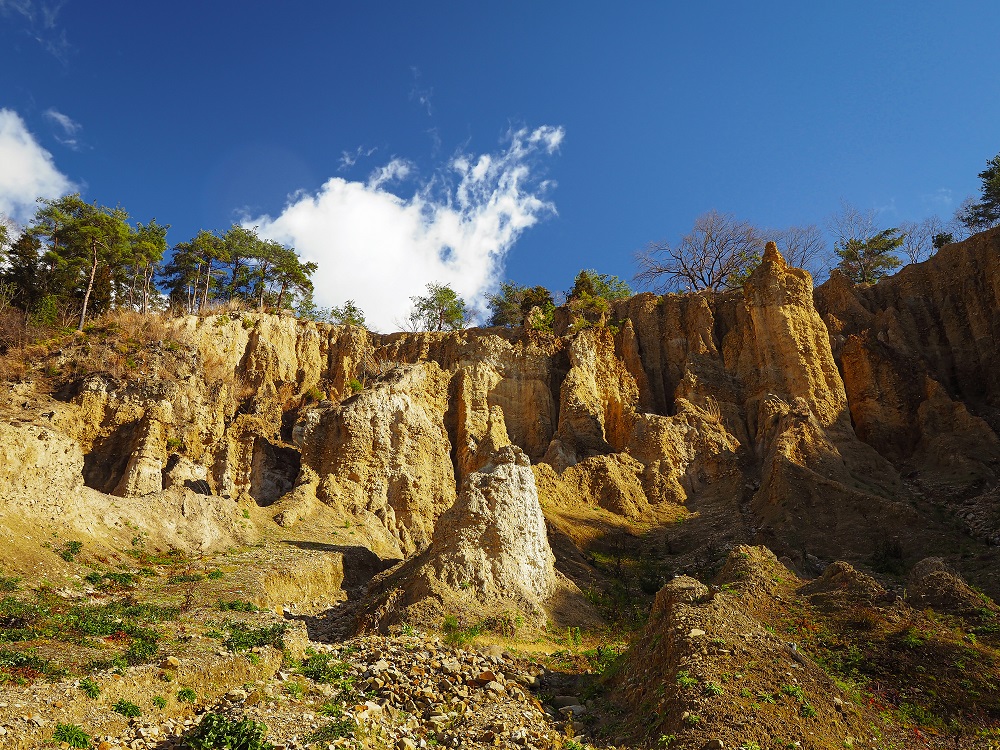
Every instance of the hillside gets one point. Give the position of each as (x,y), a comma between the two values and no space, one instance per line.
(779,504)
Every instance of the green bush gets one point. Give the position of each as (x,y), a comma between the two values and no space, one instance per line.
(237,605)
(323,668)
(90,688)
(159,701)
(127,709)
(244,637)
(187,695)
(70,550)
(218,732)
(72,735)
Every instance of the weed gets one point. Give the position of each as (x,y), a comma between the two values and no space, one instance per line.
(218,731)
(215,575)
(573,636)
(749,746)
(712,688)
(70,550)
(237,605)
(794,691)
(295,689)
(456,635)
(90,688)
(806,710)
(323,668)
(160,702)
(692,719)
(186,578)
(72,735)
(666,740)
(340,728)
(245,637)
(685,680)
(187,695)
(9,583)
(127,709)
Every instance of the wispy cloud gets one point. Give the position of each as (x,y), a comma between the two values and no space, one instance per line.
(395,170)
(942,199)
(349,158)
(379,248)
(421,94)
(28,169)
(68,127)
(40,19)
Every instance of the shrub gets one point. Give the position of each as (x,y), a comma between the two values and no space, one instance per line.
(90,688)
(244,637)
(215,575)
(187,695)
(217,731)
(72,735)
(685,680)
(323,668)
(127,709)
(70,550)
(712,688)
(159,701)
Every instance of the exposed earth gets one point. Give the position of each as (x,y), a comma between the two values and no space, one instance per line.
(758,519)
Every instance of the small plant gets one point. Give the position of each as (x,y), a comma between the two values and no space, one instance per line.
(72,735)
(573,636)
(187,695)
(9,583)
(342,727)
(692,719)
(712,688)
(666,740)
(90,688)
(186,578)
(456,635)
(295,689)
(794,691)
(685,680)
(218,731)
(174,444)
(244,637)
(749,746)
(160,702)
(215,575)
(70,550)
(806,710)
(355,385)
(237,605)
(127,709)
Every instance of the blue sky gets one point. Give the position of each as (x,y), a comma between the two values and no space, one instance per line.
(643,115)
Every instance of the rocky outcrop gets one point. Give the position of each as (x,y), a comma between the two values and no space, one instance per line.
(385,454)
(490,555)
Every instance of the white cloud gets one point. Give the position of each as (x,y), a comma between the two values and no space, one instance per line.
(380,249)
(349,158)
(68,125)
(28,171)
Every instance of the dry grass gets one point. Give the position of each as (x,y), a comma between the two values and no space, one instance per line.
(712,410)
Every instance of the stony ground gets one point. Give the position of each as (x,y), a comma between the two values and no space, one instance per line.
(403,691)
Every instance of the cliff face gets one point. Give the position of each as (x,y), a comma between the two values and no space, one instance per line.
(816,421)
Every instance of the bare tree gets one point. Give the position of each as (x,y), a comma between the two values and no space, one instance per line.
(852,223)
(803,247)
(918,238)
(716,254)
(958,226)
